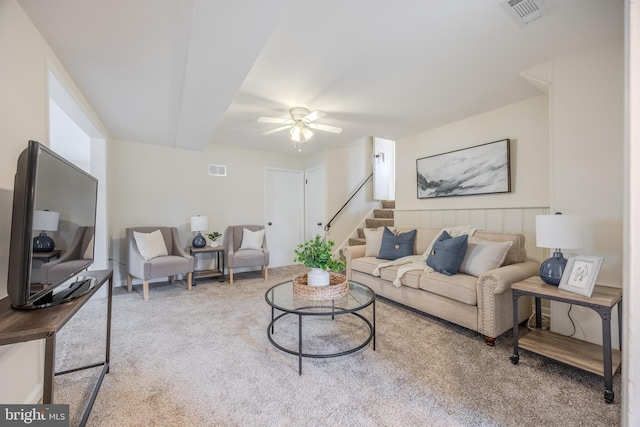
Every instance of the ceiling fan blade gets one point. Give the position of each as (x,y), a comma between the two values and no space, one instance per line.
(276,130)
(325,128)
(315,115)
(272,120)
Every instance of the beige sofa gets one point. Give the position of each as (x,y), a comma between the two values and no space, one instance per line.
(483,304)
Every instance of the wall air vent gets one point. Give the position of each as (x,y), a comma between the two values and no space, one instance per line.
(524,12)
(217,170)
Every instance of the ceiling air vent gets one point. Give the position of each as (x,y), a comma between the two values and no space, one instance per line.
(217,170)
(524,12)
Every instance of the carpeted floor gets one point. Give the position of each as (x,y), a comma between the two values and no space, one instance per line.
(202,358)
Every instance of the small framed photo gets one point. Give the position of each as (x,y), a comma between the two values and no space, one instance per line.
(580,274)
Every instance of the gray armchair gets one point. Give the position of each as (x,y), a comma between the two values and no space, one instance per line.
(176,262)
(73,258)
(245,257)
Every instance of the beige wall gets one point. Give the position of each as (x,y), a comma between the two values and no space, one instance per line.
(526,123)
(587,141)
(26,61)
(345,169)
(157,185)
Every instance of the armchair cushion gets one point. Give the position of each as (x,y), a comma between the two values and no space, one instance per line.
(252,239)
(150,245)
(88,251)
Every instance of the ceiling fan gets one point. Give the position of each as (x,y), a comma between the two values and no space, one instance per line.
(300,124)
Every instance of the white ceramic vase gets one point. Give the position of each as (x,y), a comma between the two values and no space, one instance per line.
(215,244)
(318,277)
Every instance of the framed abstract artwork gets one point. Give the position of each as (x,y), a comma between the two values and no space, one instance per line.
(482,169)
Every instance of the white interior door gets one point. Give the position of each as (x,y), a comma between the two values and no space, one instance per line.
(384,169)
(284,204)
(315,202)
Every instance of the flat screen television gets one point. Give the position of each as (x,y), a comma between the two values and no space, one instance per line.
(52,229)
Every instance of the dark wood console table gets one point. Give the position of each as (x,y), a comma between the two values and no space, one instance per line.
(27,325)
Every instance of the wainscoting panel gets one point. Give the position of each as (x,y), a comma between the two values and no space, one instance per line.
(509,220)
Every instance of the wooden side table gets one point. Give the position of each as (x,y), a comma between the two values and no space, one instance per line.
(590,357)
(46,256)
(218,251)
(27,325)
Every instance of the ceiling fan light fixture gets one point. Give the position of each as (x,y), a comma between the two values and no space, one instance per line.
(300,133)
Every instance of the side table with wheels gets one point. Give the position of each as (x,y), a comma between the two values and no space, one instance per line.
(600,360)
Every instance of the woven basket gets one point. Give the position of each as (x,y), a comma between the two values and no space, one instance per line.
(338,287)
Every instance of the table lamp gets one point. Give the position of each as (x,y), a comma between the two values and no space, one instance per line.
(556,232)
(199,223)
(44,221)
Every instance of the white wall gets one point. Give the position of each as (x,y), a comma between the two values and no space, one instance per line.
(24,100)
(587,136)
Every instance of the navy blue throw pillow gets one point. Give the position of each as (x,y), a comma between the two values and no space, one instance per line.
(394,247)
(447,253)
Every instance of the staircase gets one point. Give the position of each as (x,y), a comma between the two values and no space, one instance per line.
(381,217)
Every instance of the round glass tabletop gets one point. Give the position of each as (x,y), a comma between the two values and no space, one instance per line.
(281,297)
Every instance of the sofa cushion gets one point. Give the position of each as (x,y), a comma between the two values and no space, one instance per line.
(365,264)
(373,238)
(447,253)
(483,255)
(410,279)
(396,246)
(516,253)
(459,287)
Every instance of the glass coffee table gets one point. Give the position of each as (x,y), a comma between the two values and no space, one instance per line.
(281,297)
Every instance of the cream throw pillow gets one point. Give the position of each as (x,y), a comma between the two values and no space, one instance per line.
(252,239)
(150,245)
(483,255)
(373,237)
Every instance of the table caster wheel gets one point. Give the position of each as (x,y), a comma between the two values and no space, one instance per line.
(608,396)
(514,359)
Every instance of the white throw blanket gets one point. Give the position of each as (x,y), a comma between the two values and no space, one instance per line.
(419,262)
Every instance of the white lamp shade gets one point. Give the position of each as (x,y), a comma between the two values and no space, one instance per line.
(199,223)
(559,231)
(46,220)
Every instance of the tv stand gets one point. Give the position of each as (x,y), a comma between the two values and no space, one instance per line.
(26,325)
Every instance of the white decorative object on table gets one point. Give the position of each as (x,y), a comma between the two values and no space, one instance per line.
(318,277)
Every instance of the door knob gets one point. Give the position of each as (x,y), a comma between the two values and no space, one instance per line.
(269,223)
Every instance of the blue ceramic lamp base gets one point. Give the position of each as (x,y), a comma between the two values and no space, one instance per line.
(43,243)
(199,241)
(551,269)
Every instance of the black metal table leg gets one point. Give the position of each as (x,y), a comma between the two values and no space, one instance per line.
(374,325)
(605,313)
(299,344)
(515,358)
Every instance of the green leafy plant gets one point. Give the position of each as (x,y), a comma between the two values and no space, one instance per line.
(214,235)
(316,253)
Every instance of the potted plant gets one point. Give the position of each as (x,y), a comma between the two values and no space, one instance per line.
(317,254)
(214,235)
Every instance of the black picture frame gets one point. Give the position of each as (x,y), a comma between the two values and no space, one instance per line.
(481,169)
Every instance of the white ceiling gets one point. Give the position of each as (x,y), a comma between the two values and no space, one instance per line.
(186,73)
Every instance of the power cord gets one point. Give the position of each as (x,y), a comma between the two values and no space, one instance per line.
(546,322)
